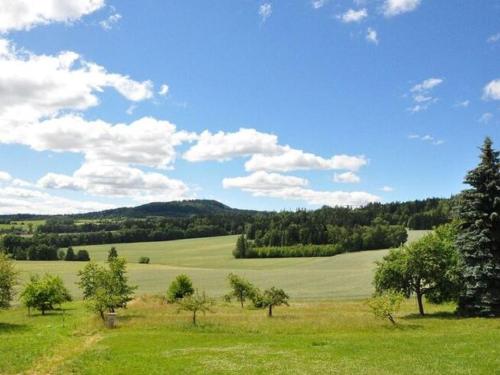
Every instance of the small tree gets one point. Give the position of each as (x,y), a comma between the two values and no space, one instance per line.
(195,303)
(181,287)
(8,279)
(43,293)
(112,254)
(70,254)
(144,260)
(82,256)
(270,298)
(106,289)
(241,288)
(386,305)
(241,247)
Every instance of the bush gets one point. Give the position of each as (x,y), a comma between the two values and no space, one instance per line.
(144,260)
(82,256)
(196,302)
(43,293)
(386,305)
(294,251)
(181,287)
(8,278)
(70,254)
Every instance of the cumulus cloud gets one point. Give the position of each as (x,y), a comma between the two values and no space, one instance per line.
(421,94)
(118,180)
(492,90)
(26,14)
(37,86)
(163,90)
(263,184)
(109,22)
(346,178)
(265,11)
(352,15)
(395,7)
(4,176)
(372,36)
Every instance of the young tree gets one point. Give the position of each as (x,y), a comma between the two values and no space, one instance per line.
(269,299)
(82,256)
(428,267)
(181,287)
(241,288)
(8,279)
(43,293)
(241,247)
(195,303)
(478,212)
(386,305)
(70,254)
(112,254)
(106,289)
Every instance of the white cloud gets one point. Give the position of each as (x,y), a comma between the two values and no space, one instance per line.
(463,104)
(372,36)
(26,14)
(4,176)
(290,159)
(427,138)
(395,7)
(353,15)
(485,118)
(109,22)
(347,178)
(387,189)
(163,90)
(118,180)
(265,11)
(493,38)
(317,4)
(492,90)
(37,86)
(262,184)
(421,94)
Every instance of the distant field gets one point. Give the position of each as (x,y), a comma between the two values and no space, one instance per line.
(209,260)
(23,223)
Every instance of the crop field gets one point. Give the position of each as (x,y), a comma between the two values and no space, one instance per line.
(208,261)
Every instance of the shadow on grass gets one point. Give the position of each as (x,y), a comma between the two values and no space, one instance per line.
(448,315)
(10,328)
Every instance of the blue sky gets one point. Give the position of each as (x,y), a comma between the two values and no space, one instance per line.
(258,104)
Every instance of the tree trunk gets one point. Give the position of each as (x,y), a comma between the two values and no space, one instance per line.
(270,312)
(194,317)
(420,303)
(102,315)
(241,300)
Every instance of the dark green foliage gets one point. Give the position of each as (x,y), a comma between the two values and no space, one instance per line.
(44,293)
(70,254)
(295,251)
(428,267)
(8,279)
(106,289)
(241,248)
(181,287)
(478,211)
(144,260)
(241,289)
(113,254)
(82,256)
(269,299)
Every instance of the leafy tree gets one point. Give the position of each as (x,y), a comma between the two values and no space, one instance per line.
(144,260)
(386,305)
(106,289)
(8,279)
(241,247)
(82,256)
(112,254)
(270,298)
(478,212)
(427,267)
(195,303)
(181,287)
(70,254)
(43,293)
(241,288)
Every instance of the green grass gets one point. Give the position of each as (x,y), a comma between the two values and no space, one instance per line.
(208,261)
(331,337)
(23,224)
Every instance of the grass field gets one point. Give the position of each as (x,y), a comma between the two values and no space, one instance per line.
(209,260)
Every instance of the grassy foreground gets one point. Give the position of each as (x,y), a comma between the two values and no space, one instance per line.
(208,261)
(339,337)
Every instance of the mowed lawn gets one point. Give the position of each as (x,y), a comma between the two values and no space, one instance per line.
(208,261)
(329,337)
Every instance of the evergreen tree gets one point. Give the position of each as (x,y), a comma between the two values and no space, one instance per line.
(70,254)
(478,210)
(241,247)
(112,254)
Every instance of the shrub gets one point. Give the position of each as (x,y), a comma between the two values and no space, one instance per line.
(70,254)
(82,256)
(43,293)
(195,303)
(112,254)
(144,260)
(294,251)
(8,278)
(181,287)
(386,305)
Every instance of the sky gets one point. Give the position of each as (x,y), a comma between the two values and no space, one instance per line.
(265,105)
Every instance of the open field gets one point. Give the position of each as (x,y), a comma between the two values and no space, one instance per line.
(340,337)
(209,260)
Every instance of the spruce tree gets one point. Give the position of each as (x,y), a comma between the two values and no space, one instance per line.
(479,239)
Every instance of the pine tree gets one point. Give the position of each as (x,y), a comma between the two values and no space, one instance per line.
(241,247)
(112,254)
(479,239)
